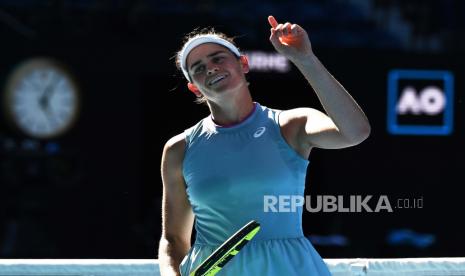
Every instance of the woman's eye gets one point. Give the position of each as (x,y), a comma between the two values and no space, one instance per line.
(217,59)
(199,69)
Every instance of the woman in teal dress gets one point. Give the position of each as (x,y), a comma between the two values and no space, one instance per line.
(219,172)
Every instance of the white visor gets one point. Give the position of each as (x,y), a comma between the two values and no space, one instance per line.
(202,39)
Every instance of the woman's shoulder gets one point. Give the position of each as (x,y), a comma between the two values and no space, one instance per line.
(175,145)
(296,115)
(178,143)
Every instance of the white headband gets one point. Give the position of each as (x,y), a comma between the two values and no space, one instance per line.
(202,39)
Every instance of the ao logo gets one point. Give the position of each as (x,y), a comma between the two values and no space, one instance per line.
(430,101)
(420,102)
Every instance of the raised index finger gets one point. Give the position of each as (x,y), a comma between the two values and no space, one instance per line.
(272,21)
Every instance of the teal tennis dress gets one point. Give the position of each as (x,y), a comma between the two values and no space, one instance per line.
(228,172)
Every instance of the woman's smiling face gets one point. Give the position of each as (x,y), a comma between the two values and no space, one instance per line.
(214,69)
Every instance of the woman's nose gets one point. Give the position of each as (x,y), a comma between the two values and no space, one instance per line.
(212,70)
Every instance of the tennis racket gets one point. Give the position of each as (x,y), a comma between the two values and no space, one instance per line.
(223,254)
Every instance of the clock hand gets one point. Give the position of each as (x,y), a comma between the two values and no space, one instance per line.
(47,93)
(43,102)
(49,115)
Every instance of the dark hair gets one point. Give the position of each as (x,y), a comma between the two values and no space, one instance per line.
(195,33)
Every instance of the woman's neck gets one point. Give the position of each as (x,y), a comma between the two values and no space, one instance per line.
(232,112)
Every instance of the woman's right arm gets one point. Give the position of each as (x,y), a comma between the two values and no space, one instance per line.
(177,215)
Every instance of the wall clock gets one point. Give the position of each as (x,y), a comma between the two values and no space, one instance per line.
(42,98)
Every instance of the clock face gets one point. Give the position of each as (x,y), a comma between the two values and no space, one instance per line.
(42,98)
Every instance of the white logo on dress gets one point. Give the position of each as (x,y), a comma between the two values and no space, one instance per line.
(259,132)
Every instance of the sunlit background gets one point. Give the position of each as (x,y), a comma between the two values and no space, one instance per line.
(90,94)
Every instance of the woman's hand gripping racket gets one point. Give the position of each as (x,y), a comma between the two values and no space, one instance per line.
(223,254)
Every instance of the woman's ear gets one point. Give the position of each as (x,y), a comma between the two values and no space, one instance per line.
(193,89)
(245,64)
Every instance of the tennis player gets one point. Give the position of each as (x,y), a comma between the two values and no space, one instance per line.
(219,170)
